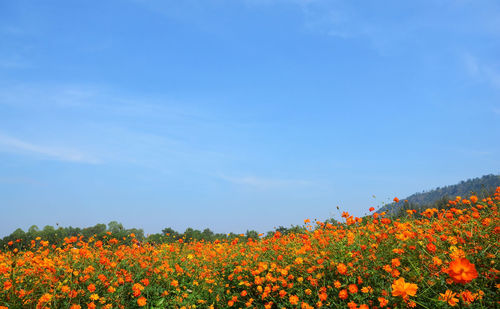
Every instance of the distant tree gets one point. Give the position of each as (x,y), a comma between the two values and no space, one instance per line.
(33,230)
(115,227)
(207,235)
(252,234)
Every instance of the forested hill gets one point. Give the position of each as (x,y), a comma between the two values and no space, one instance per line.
(438,197)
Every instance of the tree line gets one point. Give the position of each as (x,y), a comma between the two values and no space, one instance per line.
(58,235)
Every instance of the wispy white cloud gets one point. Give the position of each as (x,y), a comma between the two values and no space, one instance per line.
(110,125)
(15,145)
(47,95)
(482,71)
(266,183)
(12,64)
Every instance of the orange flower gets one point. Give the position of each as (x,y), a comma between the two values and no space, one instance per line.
(437,261)
(383,302)
(45,298)
(343,294)
(342,268)
(371,209)
(461,270)
(137,288)
(395,262)
(431,247)
(294,299)
(468,297)
(473,199)
(353,289)
(449,297)
(75,306)
(145,281)
(396,200)
(403,289)
(7,285)
(65,289)
(141,301)
(323,296)
(91,288)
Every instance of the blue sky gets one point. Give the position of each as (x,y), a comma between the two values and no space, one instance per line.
(237,115)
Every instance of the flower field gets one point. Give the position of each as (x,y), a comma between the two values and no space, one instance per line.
(435,259)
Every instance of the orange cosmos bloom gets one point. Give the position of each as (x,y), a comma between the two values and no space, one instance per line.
(91,288)
(449,297)
(45,298)
(461,270)
(352,305)
(403,289)
(353,288)
(383,302)
(437,261)
(7,285)
(473,199)
(467,296)
(141,301)
(371,209)
(74,306)
(343,294)
(294,299)
(396,200)
(342,268)
(395,262)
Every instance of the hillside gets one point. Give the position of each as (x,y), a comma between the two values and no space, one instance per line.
(481,186)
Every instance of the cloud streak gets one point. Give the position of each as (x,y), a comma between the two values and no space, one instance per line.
(14,145)
(109,125)
(481,71)
(266,183)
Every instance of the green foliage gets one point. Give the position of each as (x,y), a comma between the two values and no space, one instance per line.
(56,236)
(439,197)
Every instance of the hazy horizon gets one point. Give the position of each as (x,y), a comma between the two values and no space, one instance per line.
(239,115)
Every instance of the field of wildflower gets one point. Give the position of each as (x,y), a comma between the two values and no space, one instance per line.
(434,259)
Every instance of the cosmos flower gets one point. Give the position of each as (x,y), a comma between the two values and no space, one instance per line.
(461,270)
(403,289)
